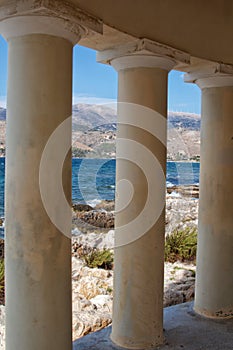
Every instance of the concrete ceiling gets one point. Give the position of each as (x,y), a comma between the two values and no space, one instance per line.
(203,28)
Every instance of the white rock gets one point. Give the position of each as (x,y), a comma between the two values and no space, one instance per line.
(2,327)
(92,288)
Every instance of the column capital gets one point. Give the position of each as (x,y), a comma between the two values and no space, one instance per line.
(212,75)
(142,60)
(143,53)
(57,17)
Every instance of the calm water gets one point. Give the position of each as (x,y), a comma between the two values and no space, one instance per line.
(94,179)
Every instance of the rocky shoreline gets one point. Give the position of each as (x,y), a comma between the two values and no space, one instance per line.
(92,288)
(181,212)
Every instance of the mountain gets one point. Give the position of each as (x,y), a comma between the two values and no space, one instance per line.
(95,127)
(94,132)
(86,116)
(189,121)
(183,136)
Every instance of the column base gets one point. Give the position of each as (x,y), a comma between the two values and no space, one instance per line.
(137,346)
(221,314)
(183,329)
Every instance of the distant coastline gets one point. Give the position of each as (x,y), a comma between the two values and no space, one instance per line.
(94,133)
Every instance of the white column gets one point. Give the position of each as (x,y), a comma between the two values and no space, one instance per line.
(141,156)
(38,265)
(38,251)
(214,281)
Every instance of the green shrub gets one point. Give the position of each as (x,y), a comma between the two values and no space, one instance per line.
(79,152)
(181,245)
(102,259)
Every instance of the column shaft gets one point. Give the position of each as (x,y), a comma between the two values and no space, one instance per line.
(38,255)
(214,284)
(139,264)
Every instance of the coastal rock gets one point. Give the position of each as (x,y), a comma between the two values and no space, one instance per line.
(2,327)
(184,191)
(81,207)
(93,220)
(181,213)
(93,240)
(179,283)
(92,298)
(2,296)
(1,248)
(84,324)
(93,295)
(106,205)
(93,288)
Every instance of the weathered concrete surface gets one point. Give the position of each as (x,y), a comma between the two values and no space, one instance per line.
(139,232)
(184,329)
(214,283)
(38,264)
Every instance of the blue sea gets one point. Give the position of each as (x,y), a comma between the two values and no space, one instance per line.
(94,179)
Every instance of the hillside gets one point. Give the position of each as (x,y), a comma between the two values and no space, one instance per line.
(183,136)
(87,116)
(94,133)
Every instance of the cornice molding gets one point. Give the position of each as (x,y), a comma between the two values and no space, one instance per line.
(57,17)
(213,75)
(143,48)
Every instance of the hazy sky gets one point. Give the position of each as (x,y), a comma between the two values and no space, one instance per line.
(97,83)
